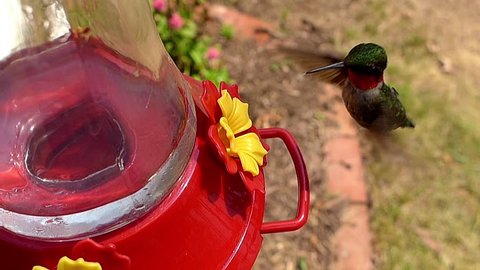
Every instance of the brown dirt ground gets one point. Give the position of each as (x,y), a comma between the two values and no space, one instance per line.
(279,96)
(277,99)
(274,97)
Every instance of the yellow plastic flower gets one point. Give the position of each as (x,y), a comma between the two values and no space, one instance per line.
(235,113)
(66,263)
(235,120)
(250,151)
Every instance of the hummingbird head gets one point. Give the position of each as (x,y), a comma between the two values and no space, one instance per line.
(364,65)
(367,59)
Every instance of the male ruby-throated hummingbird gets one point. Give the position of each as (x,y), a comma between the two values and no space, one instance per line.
(369,100)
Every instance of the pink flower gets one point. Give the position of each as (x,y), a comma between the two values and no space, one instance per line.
(175,21)
(212,53)
(160,5)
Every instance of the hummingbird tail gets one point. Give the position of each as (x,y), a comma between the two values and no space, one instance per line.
(409,123)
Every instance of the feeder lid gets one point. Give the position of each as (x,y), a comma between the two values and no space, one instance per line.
(94,132)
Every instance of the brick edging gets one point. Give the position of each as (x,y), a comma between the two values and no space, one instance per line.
(345,175)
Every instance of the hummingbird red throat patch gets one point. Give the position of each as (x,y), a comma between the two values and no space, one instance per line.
(364,82)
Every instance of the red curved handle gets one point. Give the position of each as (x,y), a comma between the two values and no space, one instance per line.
(303,183)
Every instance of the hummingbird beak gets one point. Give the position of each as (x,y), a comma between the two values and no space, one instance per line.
(332,66)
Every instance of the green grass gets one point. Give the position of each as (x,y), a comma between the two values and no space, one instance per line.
(424,183)
(427,179)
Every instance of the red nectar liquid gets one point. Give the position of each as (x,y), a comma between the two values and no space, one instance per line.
(79,128)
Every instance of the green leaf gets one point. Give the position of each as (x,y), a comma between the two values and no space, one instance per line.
(302,264)
(187,47)
(227,31)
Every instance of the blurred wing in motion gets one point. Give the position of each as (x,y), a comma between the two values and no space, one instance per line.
(308,61)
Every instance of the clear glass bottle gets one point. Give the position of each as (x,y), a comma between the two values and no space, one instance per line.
(96,121)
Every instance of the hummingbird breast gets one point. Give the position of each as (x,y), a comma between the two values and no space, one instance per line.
(362,105)
(376,109)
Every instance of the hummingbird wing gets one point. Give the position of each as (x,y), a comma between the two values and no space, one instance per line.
(309,60)
(393,110)
(394,91)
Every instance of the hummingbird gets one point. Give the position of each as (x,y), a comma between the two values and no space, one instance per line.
(370,101)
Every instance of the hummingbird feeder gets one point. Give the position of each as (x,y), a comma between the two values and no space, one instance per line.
(111,159)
